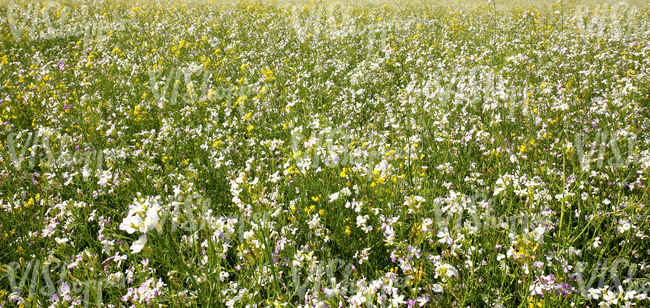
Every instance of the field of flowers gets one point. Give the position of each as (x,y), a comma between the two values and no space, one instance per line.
(262,154)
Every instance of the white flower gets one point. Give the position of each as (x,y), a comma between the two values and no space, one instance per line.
(274,177)
(535,289)
(85,172)
(361,220)
(597,242)
(397,300)
(357,206)
(299,257)
(389,234)
(61,241)
(437,288)
(444,237)
(357,300)
(131,224)
(223,276)
(363,256)
(447,270)
(119,259)
(426,222)
(594,293)
(314,222)
(630,295)
(151,221)
(624,226)
(139,244)
(610,298)
(334,197)
(415,201)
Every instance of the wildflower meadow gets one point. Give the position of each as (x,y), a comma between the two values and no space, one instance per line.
(324,154)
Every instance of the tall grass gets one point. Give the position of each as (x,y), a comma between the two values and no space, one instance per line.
(257,154)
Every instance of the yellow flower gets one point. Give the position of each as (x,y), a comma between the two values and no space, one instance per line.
(268,74)
(347,230)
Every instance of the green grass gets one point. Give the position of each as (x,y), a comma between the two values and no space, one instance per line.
(360,143)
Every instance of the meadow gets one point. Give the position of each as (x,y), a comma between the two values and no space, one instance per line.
(324,154)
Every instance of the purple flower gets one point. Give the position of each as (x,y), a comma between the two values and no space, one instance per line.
(549,279)
(411,303)
(61,66)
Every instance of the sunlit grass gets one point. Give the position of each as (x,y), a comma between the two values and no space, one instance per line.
(482,154)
